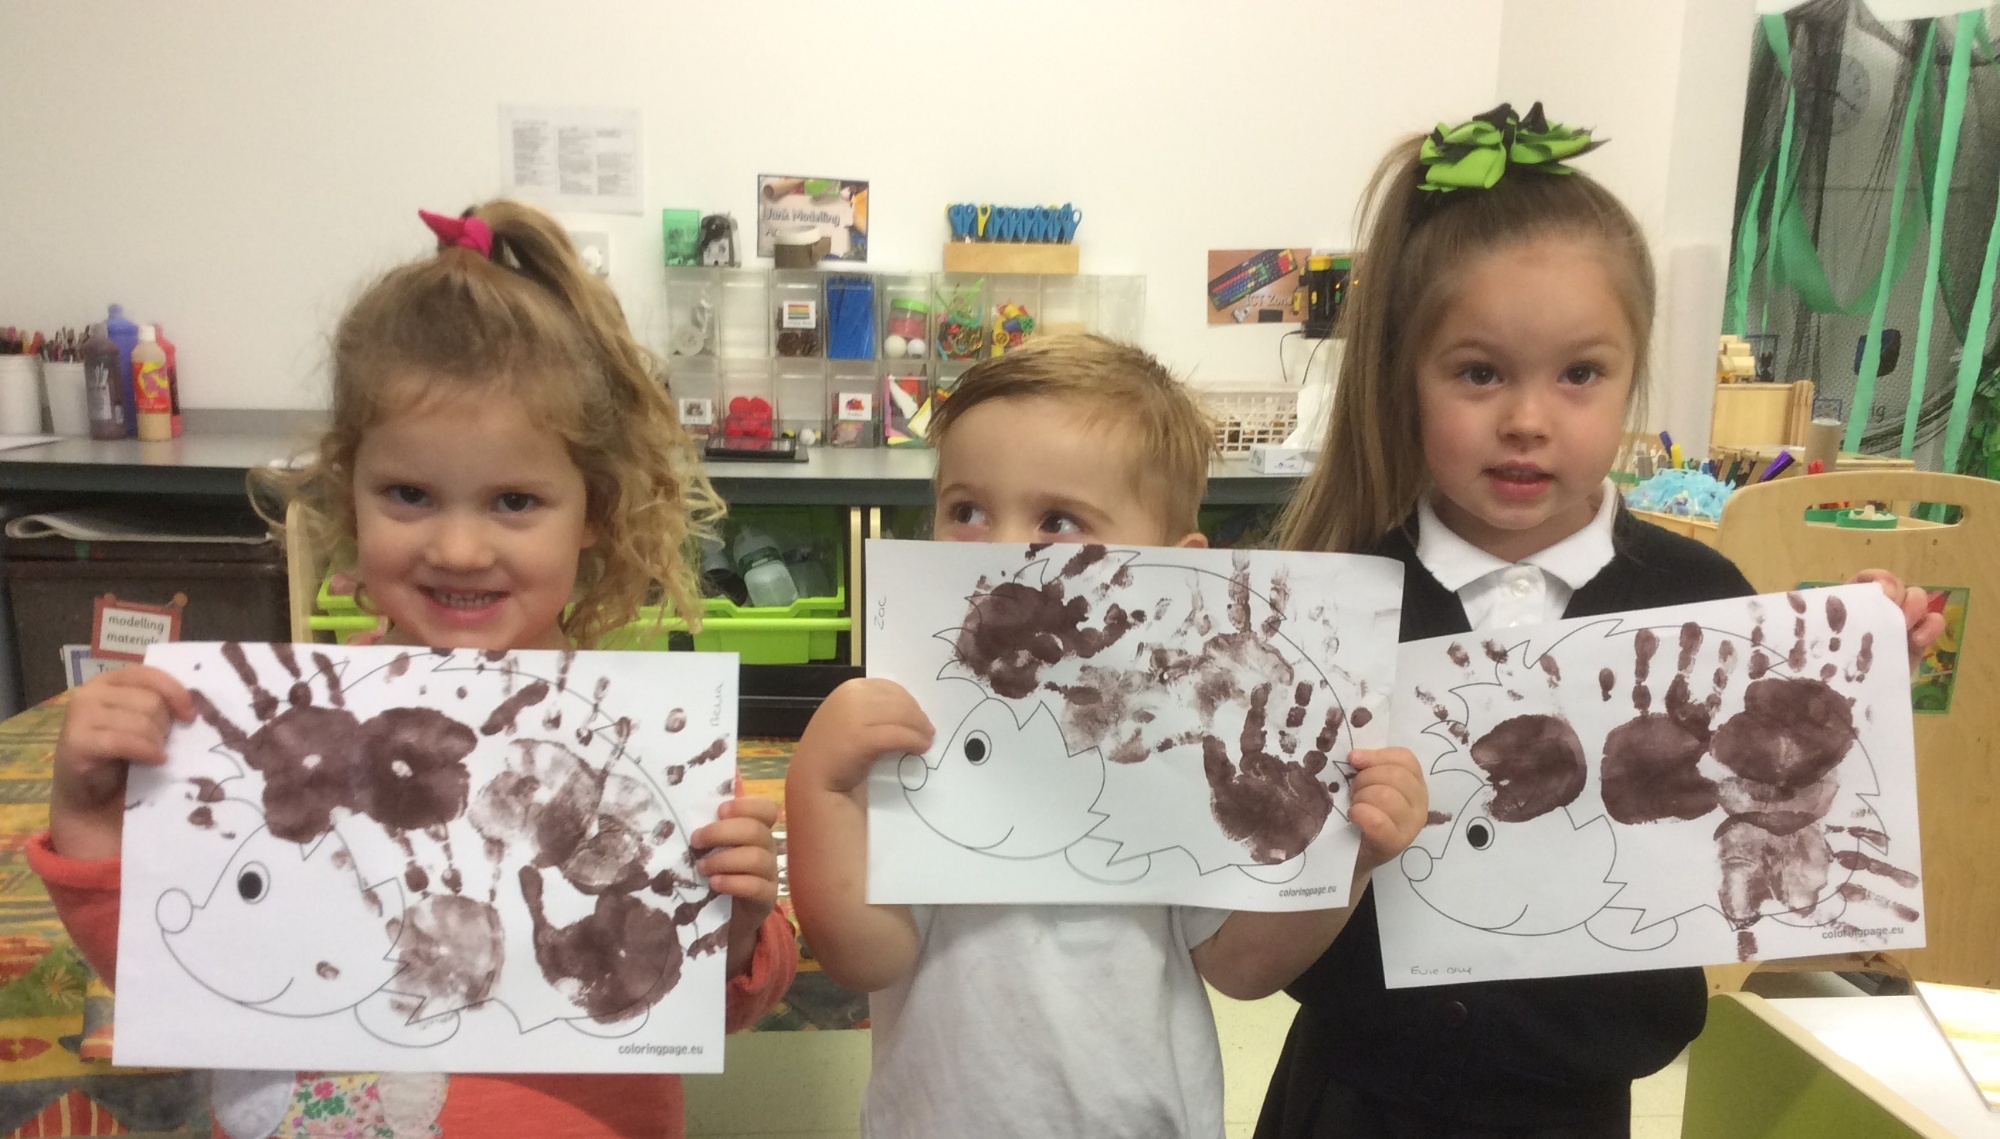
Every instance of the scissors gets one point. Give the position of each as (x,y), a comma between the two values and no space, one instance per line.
(963,218)
(1069,217)
(985,212)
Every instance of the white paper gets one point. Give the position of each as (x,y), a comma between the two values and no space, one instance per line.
(1105,761)
(1773,819)
(338,866)
(588,159)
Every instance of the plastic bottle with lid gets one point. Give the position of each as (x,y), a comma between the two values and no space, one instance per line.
(149,388)
(101,385)
(173,374)
(765,576)
(718,574)
(125,334)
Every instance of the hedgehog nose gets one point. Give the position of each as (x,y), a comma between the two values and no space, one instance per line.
(913,772)
(175,911)
(1417,864)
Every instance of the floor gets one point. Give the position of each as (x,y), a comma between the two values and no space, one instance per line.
(807,1085)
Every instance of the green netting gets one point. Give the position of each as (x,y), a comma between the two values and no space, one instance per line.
(1848,122)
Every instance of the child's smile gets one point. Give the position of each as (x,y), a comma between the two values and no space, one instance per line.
(468,520)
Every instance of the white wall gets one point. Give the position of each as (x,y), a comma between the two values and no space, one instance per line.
(1666,81)
(235,170)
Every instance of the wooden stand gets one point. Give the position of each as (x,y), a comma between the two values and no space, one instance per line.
(1046,258)
(1760,456)
(1750,415)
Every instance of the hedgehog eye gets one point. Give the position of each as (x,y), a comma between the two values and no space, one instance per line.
(977,748)
(253,882)
(1479,833)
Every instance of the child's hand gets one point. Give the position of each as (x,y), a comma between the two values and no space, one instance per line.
(1924,626)
(740,859)
(859,945)
(1390,802)
(860,722)
(114,717)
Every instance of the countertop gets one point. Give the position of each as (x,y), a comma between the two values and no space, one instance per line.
(213,464)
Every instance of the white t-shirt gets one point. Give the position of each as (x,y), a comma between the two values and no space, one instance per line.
(1048,1021)
(1498,594)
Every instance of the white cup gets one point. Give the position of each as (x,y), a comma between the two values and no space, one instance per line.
(20,395)
(69,404)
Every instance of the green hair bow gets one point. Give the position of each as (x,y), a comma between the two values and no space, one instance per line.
(1475,153)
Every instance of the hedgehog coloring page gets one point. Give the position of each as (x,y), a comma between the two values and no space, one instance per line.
(1126,724)
(1692,785)
(384,859)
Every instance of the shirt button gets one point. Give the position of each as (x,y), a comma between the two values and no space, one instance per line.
(1434,1085)
(1453,1013)
(1522,586)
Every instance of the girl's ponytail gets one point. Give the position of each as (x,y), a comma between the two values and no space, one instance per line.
(1437,204)
(650,499)
(1371,465)
(505,307)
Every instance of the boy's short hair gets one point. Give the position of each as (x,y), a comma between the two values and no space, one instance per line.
(1168,440)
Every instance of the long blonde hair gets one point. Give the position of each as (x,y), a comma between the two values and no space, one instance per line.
(1371,469)
(531,323)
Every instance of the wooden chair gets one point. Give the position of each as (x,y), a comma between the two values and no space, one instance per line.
(303,569)
(1764,532)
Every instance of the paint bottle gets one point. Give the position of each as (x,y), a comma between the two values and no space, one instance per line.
(765,576)
(149,388)
(173,375)
(101,385)
(125,335)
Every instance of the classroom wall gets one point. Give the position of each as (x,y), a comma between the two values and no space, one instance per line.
(1666,82)
(235,170)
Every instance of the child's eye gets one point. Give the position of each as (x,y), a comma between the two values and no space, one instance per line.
(966,514)
(1479,375)
(403,494)
(514,502)
(1056,522)
(1582,373)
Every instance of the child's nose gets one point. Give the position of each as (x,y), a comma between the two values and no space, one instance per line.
(459,543)
(1526,412)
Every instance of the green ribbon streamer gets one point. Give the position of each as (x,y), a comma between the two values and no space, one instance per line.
(1779,38)
(1973,353)
(1954,117)
(1871,353)
(1736,306)
(1791,258)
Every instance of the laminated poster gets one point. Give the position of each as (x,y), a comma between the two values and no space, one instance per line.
(1126,724)
(1692,785)
(384,859)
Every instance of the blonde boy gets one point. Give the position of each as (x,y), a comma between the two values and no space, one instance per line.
(1048,1020)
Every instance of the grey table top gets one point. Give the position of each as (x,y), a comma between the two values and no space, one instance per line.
(213,464)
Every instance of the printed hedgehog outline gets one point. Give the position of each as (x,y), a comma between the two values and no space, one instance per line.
(1577,845)
(411,994)
(1252,779)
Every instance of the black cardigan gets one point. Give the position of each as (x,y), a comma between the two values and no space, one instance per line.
(1558,1052)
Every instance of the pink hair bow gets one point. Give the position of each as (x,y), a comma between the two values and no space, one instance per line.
(469,232)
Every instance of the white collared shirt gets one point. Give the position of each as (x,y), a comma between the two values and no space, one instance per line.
(1499,594)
